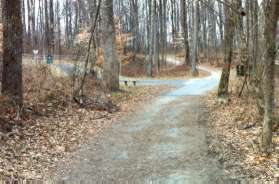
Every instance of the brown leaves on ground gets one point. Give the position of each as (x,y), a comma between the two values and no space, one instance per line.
(236,129)
(32,148)
(132,98)
(135,66)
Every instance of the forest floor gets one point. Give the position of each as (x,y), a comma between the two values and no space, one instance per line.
(52,125)
(172,69)
(166,131)
(32,149)
(235,129)
(164,141)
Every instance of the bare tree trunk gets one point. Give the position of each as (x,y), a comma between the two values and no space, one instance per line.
(155,38)
(184,25)
(161,35)
(51,27)
(271,18)
(204,20)
(135,25)
(41,25)
(220,7)
(67,36)
(223,91)
(152,26)
(47,31)
(212,20)
(29,33)
(33,24)
(68,22)
(111,66)
(58,20)
(12,51)
(77,17)
(255,38)
(165,29)
(23,18)
(173,28)
(194,52)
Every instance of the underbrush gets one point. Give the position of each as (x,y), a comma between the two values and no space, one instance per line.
(52,125)
(45,93)
(136,66)
(236,129)
(48,125)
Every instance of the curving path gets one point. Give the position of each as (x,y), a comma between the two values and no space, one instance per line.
(164,142)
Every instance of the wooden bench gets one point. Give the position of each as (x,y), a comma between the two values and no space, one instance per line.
(126,82)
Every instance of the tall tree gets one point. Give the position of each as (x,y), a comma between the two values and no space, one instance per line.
(151,33)
(51,28)
(184,24)
(58,22)
(223,91)
(111,65)
(23,17)
(47,30)
(255,35)
(194,50)
(163,29)
(271,19)
(135,25)
(12,50)
(220,14)
(155,40)
(31,22)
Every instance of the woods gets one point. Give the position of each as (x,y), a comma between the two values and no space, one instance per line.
(64,57)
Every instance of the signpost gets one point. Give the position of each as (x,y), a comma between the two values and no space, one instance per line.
(49,59)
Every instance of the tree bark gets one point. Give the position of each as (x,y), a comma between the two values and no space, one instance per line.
(12,51)
(194,50)
(32,24)
(152,28)
(58,20)
(51,27)
(184,25)
(47,30)
(271,18)
(223,91)
(111,66)
(135,25)
(220,7)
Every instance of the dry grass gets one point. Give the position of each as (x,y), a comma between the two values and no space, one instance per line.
(52,126)
(40,85)
(135,66)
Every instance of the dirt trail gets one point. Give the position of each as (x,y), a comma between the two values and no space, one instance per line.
(166,142)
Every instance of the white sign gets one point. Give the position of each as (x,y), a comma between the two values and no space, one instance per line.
(35,55)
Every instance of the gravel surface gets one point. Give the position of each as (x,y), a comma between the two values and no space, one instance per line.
(165,142)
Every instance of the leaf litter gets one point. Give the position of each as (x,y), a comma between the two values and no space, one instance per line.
(235,129)
(34,145)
